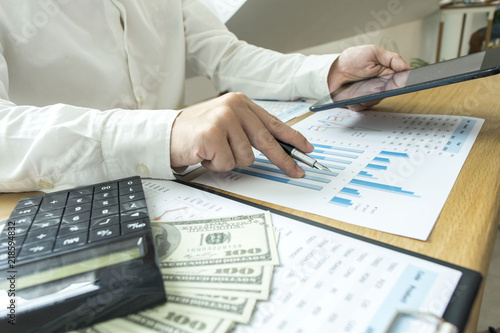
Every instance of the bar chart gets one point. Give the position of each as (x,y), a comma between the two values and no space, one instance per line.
(384,167)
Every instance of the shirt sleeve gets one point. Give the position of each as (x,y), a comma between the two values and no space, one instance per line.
(234,65)
(62,146)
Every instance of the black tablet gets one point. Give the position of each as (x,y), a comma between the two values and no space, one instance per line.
(463,68)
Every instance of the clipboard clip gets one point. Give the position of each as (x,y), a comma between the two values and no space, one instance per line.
(414,321)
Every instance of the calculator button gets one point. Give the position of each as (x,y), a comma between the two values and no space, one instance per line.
(21,221)
(14,231)
(101,212)
(70,229)
(55,214)
(104,233)
(24,211)
(131,197)
(134,226)
(78,209)
(71,242)
(79,193)
(130,189)
(133,215)
(40,235)
(52,202)
(76,218)
(105,187)
(45,224)
(106,195)
(105,203)
(36,249)
(133,205)
(29,202)
(130,182)
(80,200)
(102,222)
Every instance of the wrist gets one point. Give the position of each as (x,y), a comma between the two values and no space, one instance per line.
(336,77)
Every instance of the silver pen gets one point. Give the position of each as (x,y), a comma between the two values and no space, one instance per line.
(300,156)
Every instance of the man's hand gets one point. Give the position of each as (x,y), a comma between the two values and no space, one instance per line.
(370,86)
(220,134)
(362,62)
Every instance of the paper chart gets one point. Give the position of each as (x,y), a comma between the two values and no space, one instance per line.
(390,172)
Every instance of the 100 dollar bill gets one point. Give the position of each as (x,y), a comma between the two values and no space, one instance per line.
(163,319)
(237,241)
(243,277)
(237,309)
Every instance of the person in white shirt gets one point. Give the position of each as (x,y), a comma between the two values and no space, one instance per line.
(89,88)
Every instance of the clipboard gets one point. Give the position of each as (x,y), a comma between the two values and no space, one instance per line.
(456,314)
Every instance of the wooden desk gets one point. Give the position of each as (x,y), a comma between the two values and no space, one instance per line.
(465,231)
(465,9)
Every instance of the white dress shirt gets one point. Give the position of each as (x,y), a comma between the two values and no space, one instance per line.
(88,88)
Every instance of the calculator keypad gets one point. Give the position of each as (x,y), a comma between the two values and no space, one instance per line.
(69,220)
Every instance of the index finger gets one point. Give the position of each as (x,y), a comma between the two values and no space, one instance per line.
(263,128)
(279,129)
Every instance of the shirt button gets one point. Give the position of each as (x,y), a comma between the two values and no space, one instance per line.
(142,170)
(45,185)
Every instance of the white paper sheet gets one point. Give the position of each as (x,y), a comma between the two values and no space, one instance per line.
(284,110)
(390,171)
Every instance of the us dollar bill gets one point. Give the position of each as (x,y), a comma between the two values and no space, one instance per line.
(229,278)
(260,295)
(236,240)
(238,309)
(163,319)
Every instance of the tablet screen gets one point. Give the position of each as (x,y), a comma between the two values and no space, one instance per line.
(442,73)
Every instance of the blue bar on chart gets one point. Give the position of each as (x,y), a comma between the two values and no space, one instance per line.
(352,150)
(341,201)
(376,166)
(350,191)
(307,168)
(393,153)
(366,174)
(332,166)
(339,157)
(382,159)
(330,159)
(276,170)
(279,179)
(382,187)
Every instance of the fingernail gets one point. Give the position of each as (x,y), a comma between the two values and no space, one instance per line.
(310,146)
(300,171)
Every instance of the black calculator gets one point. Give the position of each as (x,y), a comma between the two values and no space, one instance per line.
(70,259)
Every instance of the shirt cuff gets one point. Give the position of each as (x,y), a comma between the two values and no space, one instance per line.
(311,79)
(137,142)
